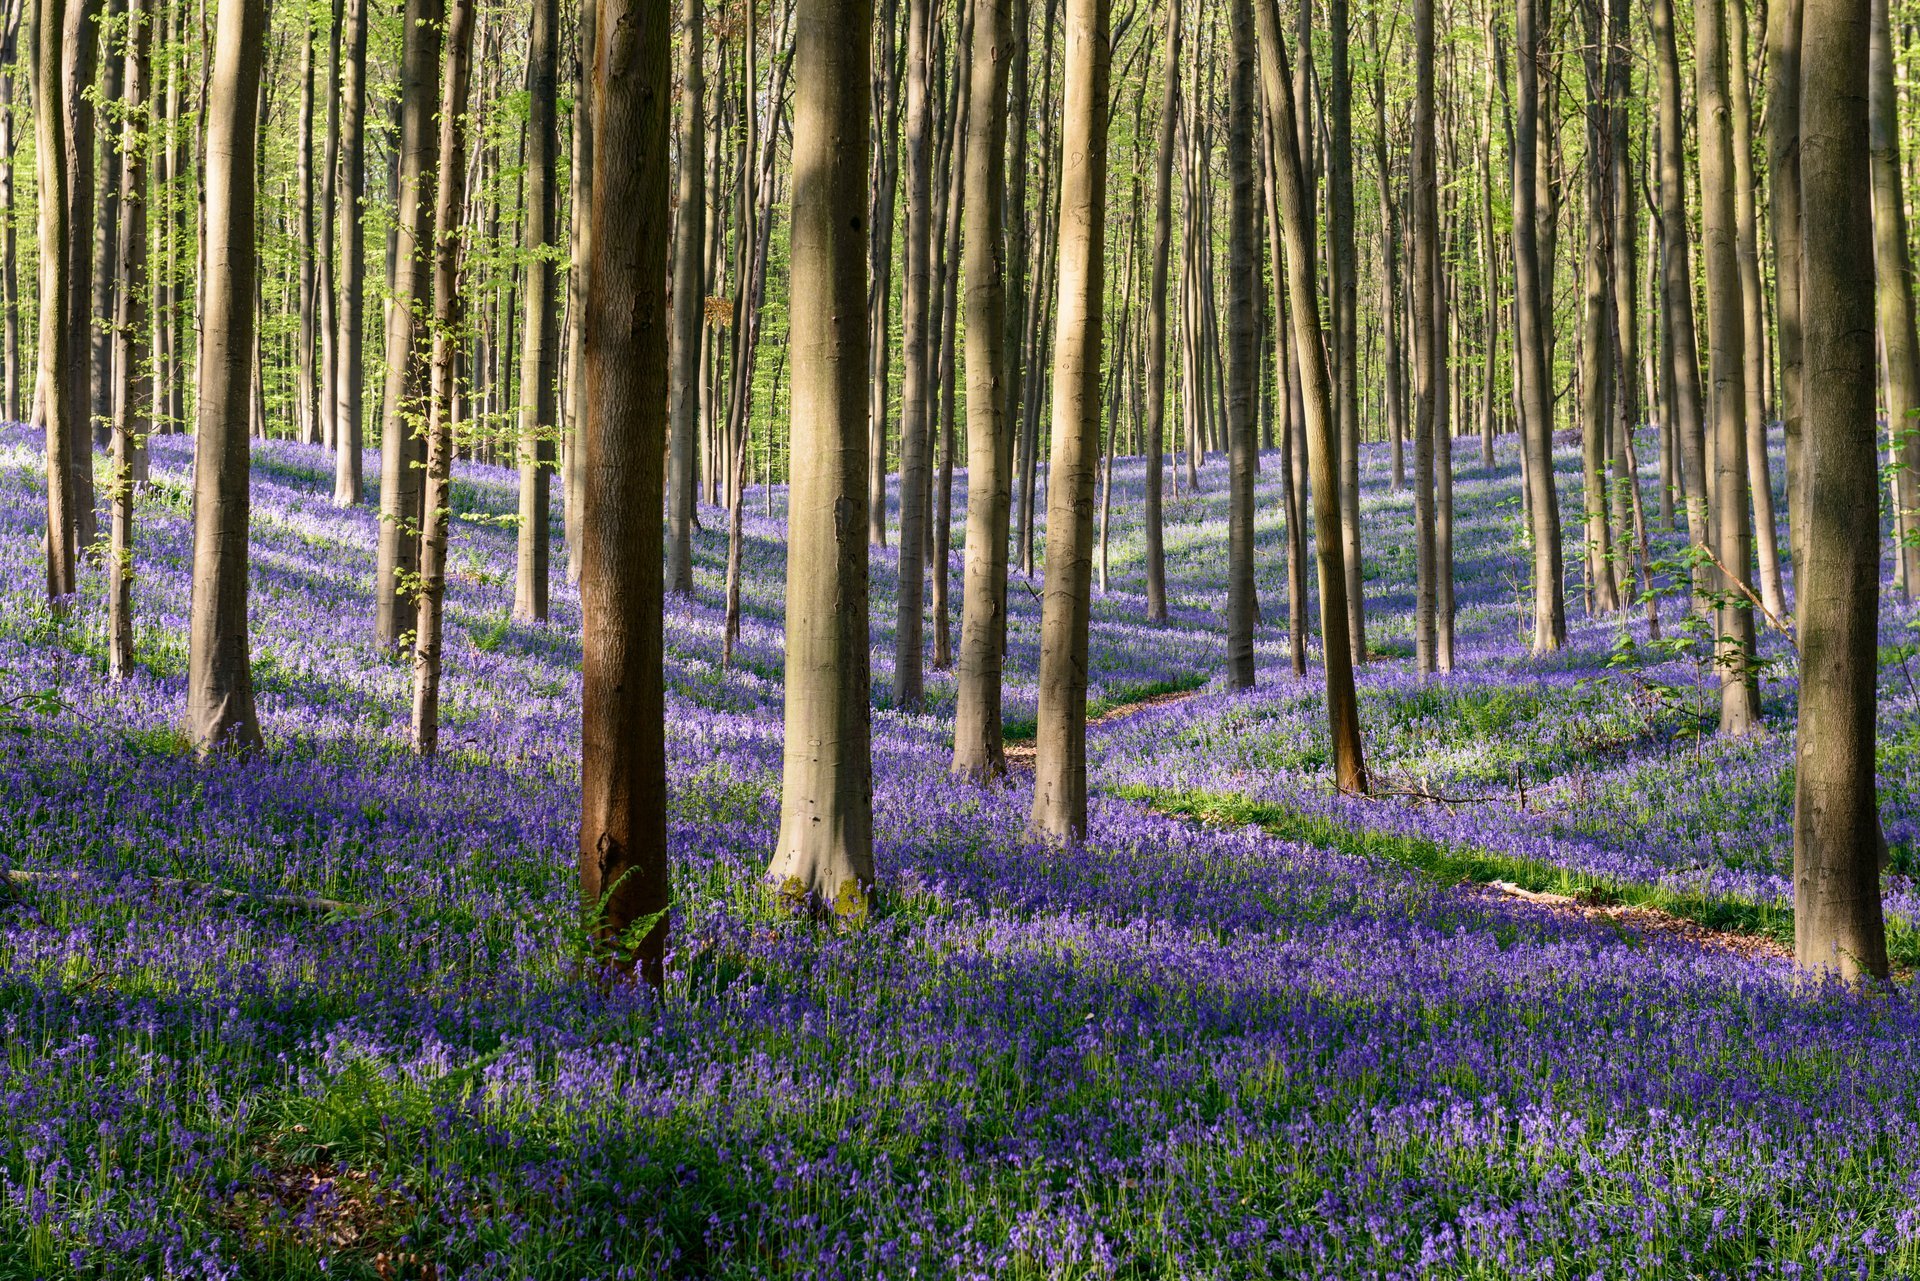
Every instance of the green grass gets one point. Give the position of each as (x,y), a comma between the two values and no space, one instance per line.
(1023,729)
(1455,864)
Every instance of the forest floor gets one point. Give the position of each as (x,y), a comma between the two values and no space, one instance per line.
(1522,1012)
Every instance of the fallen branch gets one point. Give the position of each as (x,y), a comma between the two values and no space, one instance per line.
(296,902)
(1773,620)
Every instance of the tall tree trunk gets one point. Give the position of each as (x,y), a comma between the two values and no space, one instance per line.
(916,380)
(402,441)
(450,194)
(1427,384)
(1837,922)
(689,300)
(220,711)
(1243,345)
(623,865)
(1043,266)
(1390,302)
(1739,702)
(10,352)
(1893,272)
(1151,516)
(1783,191)
(1343,708)
(825,850)
(1533,293)
(1286,393)
(306,391)
(959,114)
(1596,321)
(349,354)
(64,156)
(132,407)
(1754,316)
(977,744)
(1677,299)
(573,478)
(885,102)
(1346,315)
(106,230)
(1060,755)
(327,194)
(540,333)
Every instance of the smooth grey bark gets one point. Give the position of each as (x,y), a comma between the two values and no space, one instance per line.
(220,710)
(622,416)
(60,407)
(1533,305)
(1345,313)
(1060,743)
(132,404)
(1152,515)
(349,437)
(1893,275)
(402,440)
(540,327)
(958,114)
(1677,300)
(824,857)
(1838,925)
(978,752)
(450,195)
(573,478)
(327,194)
(1428,386)
(1784,207)
(1596,321)
(106,228)
(882,198)
(1754,317)
(1243,345)
(916,383)
(1726,358)
(689,301)
(1343,708)
(306,409)
(1285,392)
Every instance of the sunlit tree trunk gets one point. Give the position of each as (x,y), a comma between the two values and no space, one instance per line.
(349,358)
(1893,272)
(977,731)
(540,332)
(62,405)
(1427,386)
(1533,295)
(220,711)
(624,876)
(1739,702)
(1345,314)
(573,478)
(1753,314)
(1343,709)
(1837,921)
(825,850)
(1596,320)
(1060,756)
(689,300)
(450,194)
(402,437)
(1151,515)
(132,404)
(306,390)
(1783,190)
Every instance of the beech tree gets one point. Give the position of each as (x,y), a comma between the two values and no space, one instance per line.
(131,397)
(1837,920)
(689,301)
(402,439)
(444,252)
(978,745)
(1060,759)
(540,332)
(624,881)
(825,850)
(220,710)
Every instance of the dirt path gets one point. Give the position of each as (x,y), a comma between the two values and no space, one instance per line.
(1644,922)
(1020,755)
